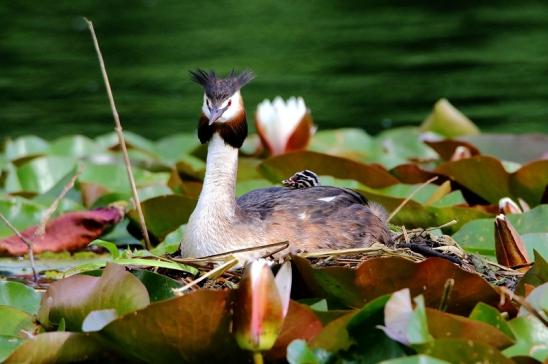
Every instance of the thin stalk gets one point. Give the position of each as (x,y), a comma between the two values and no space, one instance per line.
(26,241)
(404,202)
(257,357)
(220,269)
(41,230)
(121,139)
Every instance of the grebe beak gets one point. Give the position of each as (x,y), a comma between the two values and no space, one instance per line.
(215,114)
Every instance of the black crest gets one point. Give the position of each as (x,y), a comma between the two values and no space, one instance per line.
(220,89)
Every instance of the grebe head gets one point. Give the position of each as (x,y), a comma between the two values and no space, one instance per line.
(222,99)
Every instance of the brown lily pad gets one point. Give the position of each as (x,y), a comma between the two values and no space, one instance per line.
(378,276)
(69,232)
(279,168)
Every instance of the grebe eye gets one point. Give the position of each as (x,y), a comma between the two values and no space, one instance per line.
(229,103)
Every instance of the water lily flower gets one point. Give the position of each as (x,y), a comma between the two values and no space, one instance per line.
(508,206)
(284,126)
(509,247)
(261,304)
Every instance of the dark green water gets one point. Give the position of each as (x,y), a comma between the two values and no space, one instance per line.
(372,64)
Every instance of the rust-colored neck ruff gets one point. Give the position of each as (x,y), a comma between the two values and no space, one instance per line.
(233,131)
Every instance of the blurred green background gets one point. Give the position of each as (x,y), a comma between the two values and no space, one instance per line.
(371,64)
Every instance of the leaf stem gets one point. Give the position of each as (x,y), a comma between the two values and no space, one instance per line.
(257,357)
(121,139)
(408,198)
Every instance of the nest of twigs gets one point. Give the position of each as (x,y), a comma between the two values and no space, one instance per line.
(414,245)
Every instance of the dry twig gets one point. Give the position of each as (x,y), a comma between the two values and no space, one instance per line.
(26,241)
(41,230)
(121,138)
(408,198)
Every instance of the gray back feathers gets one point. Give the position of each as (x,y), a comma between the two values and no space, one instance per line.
(220,89)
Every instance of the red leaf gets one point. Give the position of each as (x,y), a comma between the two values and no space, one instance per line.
(71,231)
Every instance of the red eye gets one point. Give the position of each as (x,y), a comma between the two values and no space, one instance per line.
(229,103)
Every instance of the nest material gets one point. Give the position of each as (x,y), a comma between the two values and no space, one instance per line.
(415,245)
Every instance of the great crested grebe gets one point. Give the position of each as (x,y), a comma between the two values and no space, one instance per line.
(309,216)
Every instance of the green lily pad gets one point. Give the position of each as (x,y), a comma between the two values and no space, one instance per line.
(400,145)
(165,214)
(77,146)
(463,351)
(415,359)
(18,295)
(25,146)
(519,148)
(491,316)
(447,120)
(114,177)
(535,276)
(479,235)
(443,325)
(15,321)
(42,173)
(346,142)
(531,338)
(8,344)
(172,148)
(21,212)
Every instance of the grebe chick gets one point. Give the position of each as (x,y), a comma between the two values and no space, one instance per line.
(309,216)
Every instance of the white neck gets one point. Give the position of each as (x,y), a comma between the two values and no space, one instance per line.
(215,212)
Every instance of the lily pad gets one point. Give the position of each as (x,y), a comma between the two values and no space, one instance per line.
(197,325)
(379,276)
(479,235)
(18,295)
(57,347)
(520,148)
(164,214)
(281,167)
(73,298)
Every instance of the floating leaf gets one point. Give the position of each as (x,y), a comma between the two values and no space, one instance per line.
(446,120)
(8,344)
(41,174)
(346,142)
(197,326)
(73,298)
(519,148)
(18,295)
(478,235)
(463,351)
(415,359)
(482,175)
(491,316)
(299,323)
(279,168)
(57,347)
(535,276)
(379,276)
(15,322)
(531,338)
(446,148)
(77,146)
(443,325)
(24,147)
(165,214)
(71,231)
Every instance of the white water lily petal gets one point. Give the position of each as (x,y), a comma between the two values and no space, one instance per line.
(279,119)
